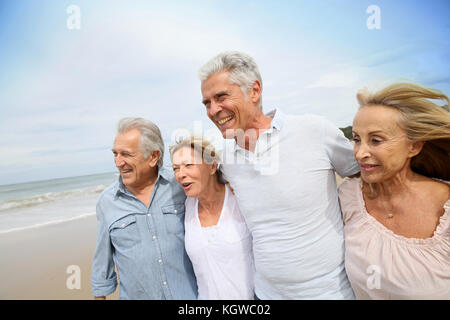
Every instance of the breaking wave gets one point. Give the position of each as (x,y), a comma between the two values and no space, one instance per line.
(50,197)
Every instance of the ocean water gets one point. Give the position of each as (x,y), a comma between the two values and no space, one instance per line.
(39,203)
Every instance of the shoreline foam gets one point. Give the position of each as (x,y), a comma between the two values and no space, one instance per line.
(44,224)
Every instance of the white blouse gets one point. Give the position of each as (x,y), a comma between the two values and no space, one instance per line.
(221,255)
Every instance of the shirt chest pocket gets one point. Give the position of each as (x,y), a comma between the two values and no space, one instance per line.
(174,218)
(124,232)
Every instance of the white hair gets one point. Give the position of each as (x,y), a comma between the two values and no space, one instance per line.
(243,70)
(151,139)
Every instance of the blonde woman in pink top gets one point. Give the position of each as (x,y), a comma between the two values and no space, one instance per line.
(397,214)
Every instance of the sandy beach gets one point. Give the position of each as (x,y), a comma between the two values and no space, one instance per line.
(34,261)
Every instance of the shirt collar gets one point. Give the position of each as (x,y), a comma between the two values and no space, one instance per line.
(120,187)
(277,118)
(276,124)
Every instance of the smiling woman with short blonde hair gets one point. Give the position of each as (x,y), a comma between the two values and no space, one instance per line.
(217,239)
(202,146)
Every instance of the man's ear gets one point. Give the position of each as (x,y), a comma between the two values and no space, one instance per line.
(153,158)
(255,91)
(415,148)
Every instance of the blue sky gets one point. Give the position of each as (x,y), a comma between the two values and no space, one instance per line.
(63,91)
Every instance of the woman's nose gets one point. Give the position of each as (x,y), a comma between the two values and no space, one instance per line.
(183,171)
(361,151)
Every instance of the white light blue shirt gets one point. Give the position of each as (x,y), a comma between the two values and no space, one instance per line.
(287,193)
(146,244)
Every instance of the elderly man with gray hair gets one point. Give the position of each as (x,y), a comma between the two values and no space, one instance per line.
(141,223)
(282,169)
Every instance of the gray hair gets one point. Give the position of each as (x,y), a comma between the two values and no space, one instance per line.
(151,139)
(243,70)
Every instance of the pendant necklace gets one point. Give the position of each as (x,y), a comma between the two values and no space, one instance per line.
(390,214)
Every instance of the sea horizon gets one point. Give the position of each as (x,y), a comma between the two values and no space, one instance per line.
(63,177)
(37,203)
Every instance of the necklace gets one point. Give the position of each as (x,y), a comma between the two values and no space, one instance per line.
(390,213)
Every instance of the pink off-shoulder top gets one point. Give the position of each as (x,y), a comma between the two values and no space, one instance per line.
(383,265)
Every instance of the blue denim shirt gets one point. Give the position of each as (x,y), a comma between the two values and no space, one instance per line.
(145,244)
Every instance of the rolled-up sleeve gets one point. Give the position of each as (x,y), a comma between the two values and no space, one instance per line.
(104,278)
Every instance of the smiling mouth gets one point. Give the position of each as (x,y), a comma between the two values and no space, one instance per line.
(225,120)
(126,171)
(368,167)
(186,186)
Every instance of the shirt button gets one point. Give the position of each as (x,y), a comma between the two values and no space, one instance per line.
(154,237)
(123,225)
(164,283)
(148,214)
(175,211)
(160,260)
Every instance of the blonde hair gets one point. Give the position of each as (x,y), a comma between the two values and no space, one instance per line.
(422,120)
(204,147)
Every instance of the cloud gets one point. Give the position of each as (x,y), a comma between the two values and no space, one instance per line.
(336,79)
(390,55)
(432,80)
(64,102)
(69,101)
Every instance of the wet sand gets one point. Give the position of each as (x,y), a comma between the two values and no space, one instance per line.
(35,262)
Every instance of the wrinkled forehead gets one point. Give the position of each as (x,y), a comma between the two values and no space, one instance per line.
(186,154)
(216,81)
(129,140)
(377,118)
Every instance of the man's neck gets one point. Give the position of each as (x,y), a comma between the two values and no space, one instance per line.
(144,191)
(251,135)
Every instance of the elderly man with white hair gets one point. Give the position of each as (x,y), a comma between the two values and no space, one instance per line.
(282,169)
(141,223)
